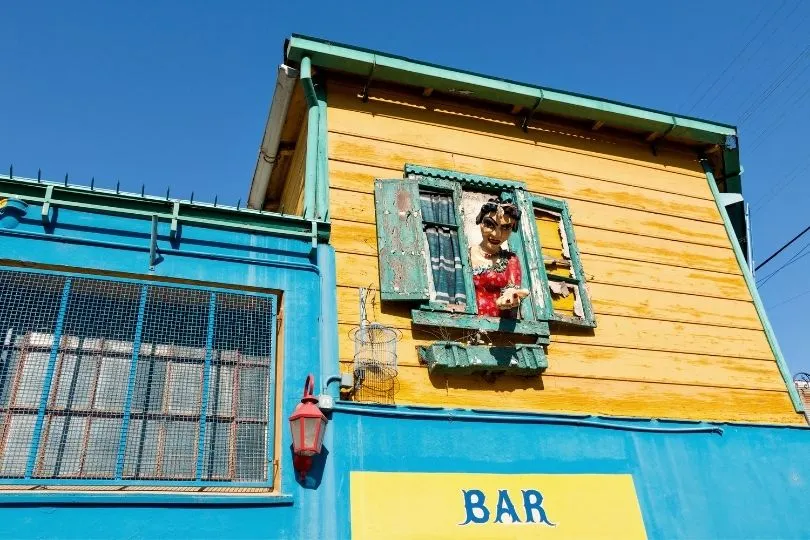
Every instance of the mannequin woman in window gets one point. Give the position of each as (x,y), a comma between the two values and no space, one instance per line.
(496,271)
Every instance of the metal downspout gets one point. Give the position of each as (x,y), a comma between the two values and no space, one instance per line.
(313,128)
(798,405)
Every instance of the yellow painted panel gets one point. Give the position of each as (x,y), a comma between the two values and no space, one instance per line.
(649,304)
(575,395)
(618,363)
(635,365)
(617,331)
(548,229)
(583,213)
(455,134)
(355,237)
(563,305)
(661,277)
(583,360)
(687,295)
(646,223)
(668,156)
(647,334)
(607,300)
(393,157)
(595,241)
(292,196)
(394,506)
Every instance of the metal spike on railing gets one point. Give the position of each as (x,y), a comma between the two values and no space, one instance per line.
(192,198)
(167,193)
(92,183)
(143,189)
(117,187)
(39,176)
(238,204)
(66,179)
(11,172)
(215,200)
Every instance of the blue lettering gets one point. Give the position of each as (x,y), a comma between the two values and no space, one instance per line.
(505,506)
(532,501)
(474,501)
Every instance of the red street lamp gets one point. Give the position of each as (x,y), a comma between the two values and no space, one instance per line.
(307,424)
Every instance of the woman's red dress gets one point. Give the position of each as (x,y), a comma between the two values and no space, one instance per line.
(491,281)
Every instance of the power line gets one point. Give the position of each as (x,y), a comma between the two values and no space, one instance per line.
(781,249)
(792,260)
(760,137)
(773,87)
(791,177)
(750,24)
(731,79)
(791,299)
(737,57)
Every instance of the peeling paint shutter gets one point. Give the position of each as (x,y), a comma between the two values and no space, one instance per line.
(400,241)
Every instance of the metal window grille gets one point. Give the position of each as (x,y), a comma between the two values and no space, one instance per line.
(109,381)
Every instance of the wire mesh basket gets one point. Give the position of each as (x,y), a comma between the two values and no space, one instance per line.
(375,363)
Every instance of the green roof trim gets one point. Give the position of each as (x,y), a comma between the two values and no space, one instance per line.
(101,200)
(397,69)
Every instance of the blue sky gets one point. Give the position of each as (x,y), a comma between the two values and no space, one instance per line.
(176,93)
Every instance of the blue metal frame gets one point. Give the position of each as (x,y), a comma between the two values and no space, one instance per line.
(161,281)
(58,329)
(133,369)
(46,383)
(209,343)
(271,398)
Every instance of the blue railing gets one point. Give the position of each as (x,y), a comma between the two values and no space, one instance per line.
(116,381)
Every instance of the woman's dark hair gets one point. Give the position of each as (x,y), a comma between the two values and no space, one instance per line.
(492,205)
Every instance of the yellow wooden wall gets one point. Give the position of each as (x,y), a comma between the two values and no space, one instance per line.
(292,194)
(678,335)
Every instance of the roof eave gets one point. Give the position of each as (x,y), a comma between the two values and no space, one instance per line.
(400,70)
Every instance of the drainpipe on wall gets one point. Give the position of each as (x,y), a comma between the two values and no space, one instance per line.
(313,127)
(268,151)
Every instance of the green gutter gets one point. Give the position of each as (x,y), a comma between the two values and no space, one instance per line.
(322,159)
(316,183)
(401,70)
(99,200)
(752,288)
(313,125)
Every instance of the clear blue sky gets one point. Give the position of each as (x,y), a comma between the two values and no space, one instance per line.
(176,93)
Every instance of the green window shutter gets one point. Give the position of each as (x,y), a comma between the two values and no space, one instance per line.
(561,280)
(400,241)
(538,282)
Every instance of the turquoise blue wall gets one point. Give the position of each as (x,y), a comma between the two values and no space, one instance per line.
(104,242)
(746,482)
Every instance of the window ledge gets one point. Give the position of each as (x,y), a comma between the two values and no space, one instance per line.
(488,324)
(457,358)
(63,498)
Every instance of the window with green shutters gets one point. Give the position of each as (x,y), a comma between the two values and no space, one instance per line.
(424,255)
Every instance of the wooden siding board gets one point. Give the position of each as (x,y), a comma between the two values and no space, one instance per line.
(359,237)
(574,395)
(582,360)
(678,288)
(646,276)
(624,332)
(622,301)
(393,156)
(668,156)
(464,135)
(356,179)
(292,195)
